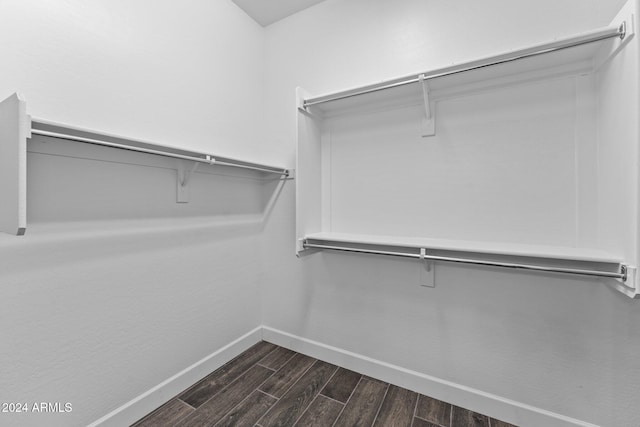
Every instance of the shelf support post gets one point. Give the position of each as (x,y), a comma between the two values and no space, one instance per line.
(15,128)
(428,121)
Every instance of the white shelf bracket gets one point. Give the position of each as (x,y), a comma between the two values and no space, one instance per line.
(630,286)
(623,30)
(300,247)
(428,121)
(301,95)
(427,270)
(291,174)
(183,176)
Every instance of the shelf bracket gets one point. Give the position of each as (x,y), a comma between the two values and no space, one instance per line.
(301,95)
(183,175)
(629,284)
(428,121)
(622,29)
(427,270)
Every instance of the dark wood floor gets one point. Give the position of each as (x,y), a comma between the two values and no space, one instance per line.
(269,386)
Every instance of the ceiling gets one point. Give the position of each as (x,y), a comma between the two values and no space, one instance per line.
(267,12)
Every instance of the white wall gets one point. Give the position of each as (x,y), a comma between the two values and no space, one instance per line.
(95,314)
(563,345)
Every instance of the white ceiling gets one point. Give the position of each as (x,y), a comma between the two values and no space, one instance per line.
(267,12)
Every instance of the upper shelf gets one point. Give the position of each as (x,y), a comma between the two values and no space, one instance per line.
(16,127)
(580,53)
(74,133)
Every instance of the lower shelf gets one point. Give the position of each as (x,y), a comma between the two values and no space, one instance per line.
(468,246)
(549,259)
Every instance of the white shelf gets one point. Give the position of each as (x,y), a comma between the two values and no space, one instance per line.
(16,127)
(490,248)
(577,54)
(75,133)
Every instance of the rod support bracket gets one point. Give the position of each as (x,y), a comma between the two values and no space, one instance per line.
(302,249)
(629,284)
(183,176)
(289,174)
(428,121)
(622,29)
(301,97)
(427,270)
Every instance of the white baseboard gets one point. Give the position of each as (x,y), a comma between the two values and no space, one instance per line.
(518,413)
(166,390)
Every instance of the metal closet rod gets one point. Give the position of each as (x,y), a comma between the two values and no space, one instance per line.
(208,159)
(591,37)
(622,275)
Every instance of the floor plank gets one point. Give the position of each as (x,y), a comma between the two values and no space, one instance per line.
(397,408)
(167,414)
(214,409)
(299,397)
(498,423)
(277,358)
(286,376)
(216,381)
(434,411)
(321,413)
(249,411)
(419,422)
(363,405)
(341,385)
(461,417)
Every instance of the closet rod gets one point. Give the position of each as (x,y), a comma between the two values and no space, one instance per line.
(585,38)
(210,160)
(622,275)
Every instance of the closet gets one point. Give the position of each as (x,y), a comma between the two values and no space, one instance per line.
(525,159)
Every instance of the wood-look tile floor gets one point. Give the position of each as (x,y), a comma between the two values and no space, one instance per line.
(270,386)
